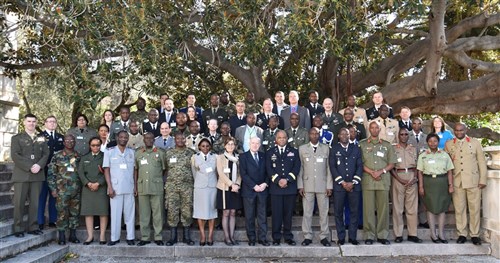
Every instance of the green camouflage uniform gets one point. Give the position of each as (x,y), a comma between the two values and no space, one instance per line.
(179,186)
(229,108)
(175,129)
(254,107)
(63,178)
(139,116)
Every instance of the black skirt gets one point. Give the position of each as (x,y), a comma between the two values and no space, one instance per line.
(233,200)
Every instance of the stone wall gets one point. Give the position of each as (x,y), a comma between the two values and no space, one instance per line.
(9,114)
(491,201)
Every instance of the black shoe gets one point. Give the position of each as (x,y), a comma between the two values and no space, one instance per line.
(103,242)
(290,242)
(72,236)
(384,241)
(186,239)
(461,239)
(424,225)
(130,242)
(444,241)
(19,234)
(306,242)
(341,241)
(141,243)
(112,243)
(476,241)
(137,227)
(276,242)
(354,242)
(360,227)
(35,232)
(40,226)
(228,243)
(235,242)
(53,225)
(264,243)
(88,242)
(173,237)
(369,242)
(414,239)
(124,227)
(202,244)
(325,242)
(251,243)
(62,238)
(159,243)
(210,243)
(436,240)
(399,239)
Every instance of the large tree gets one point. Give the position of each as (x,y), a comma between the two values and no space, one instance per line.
(437,57)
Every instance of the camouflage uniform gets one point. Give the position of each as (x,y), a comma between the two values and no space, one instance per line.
(179,186)
(254,107)
(185,132)
(139,116)
(230,108)
(64,179)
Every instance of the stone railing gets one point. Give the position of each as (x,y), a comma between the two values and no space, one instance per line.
(491,201)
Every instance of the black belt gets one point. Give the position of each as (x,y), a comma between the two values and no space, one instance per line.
(435,175)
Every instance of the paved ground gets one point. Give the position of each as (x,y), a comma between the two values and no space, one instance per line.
(406,259)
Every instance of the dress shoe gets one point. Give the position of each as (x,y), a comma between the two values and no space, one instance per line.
(360,227)
(141,243)
(202,243)
(124,227)
(251,243)
(102,242)
(72,236)
(325,242)
(354,242)
(424,225)
(85,243)
(306,242)
(130,242)
(235,242)
(384,241)
(264,243)
(53,225)
(276,242)
(290,242)
(35,232)
(443,240)
(19,234)
(137,227)
(341,241)
(436,240)
(112,243)
(228,243)
(414,239)
(159,243)
(369,242)
(40,226)
(399,239)
(461,239)
(210,243)
(476,241)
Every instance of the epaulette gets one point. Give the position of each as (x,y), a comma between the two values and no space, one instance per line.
(198,154)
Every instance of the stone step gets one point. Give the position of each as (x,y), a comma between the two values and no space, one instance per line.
(6,197)
(5,176)
(6,166)
(11,245)
(47,253)
(5,186)
(7,211)
(428,248)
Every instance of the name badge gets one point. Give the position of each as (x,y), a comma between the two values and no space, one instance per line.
(173,124)
(227,170)
(319,160)
(70,169)
(144,161)
(431,161)
(209,170)
(79,137)
(380,154)
(290,139)
(173,160)
(307,159)
(324,127)
(123,166)
(265,143)
(400,160)
(32,157)
(390,133)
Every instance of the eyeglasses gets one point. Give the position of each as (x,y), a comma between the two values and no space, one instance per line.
(95,145)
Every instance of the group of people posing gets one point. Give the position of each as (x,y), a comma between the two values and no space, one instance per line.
(188,164)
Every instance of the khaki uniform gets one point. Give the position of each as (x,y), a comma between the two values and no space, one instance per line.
(388,130)
(150,164)
(377,154)
(193,141)
(301,137)
(359,116)
(470,171)
(135,141)
(405,199)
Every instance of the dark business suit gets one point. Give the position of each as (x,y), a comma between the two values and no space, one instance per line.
(346,166)
(314,111)
(253,174)
(235,122)
(148,127)
(304,121)
(359,127)
(55,144)
(171,119)
(275,108)
(282,166)
(402,125)
(199,110)
(372,113)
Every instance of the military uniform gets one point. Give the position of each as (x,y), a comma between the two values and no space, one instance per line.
(139,116)
(25,152)
(331,119)
(359,115)
(269,139)
(63,178)
(82,139)
(230,108)
(377,154)
(389,129)
(405,199)
(185,131)
(315,178)
(150,164)
(470,171)
(192,141)
(90,171)
(254,107)
(179,186)
(135,141)
(346,166)
(116,127)
(262,120)
(361,131)
(286,166)
(218,114)
(297,137)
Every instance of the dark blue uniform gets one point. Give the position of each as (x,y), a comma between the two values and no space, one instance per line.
(55,144)
(346,166)
(282,166)
(262,121)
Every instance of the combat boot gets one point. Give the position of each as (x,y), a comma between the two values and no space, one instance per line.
(173,237)
(187,236)
(62,238)
(72,236)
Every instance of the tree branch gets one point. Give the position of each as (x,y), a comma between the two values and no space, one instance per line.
(437,46)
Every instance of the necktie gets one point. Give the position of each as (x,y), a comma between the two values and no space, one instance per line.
(328,115)
(241,118)
(154,127)
(294,131)
(272,133)
(314,106)
(417,137)
(164,142)
(81,130)
(384,122)
(281,151)
(124,125)
(52,134)
(314,148)
(213,111)
(205,158)
(267,116)
(168,116)
(256,158)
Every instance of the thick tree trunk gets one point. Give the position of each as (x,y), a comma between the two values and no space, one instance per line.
(437,47)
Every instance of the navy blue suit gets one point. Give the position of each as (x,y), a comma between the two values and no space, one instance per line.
(346,166)
(282,166)
(235,122)
(146,127)
(55,144)
(253,174)
(262,121)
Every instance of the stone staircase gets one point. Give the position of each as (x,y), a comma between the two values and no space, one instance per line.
(43,248)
